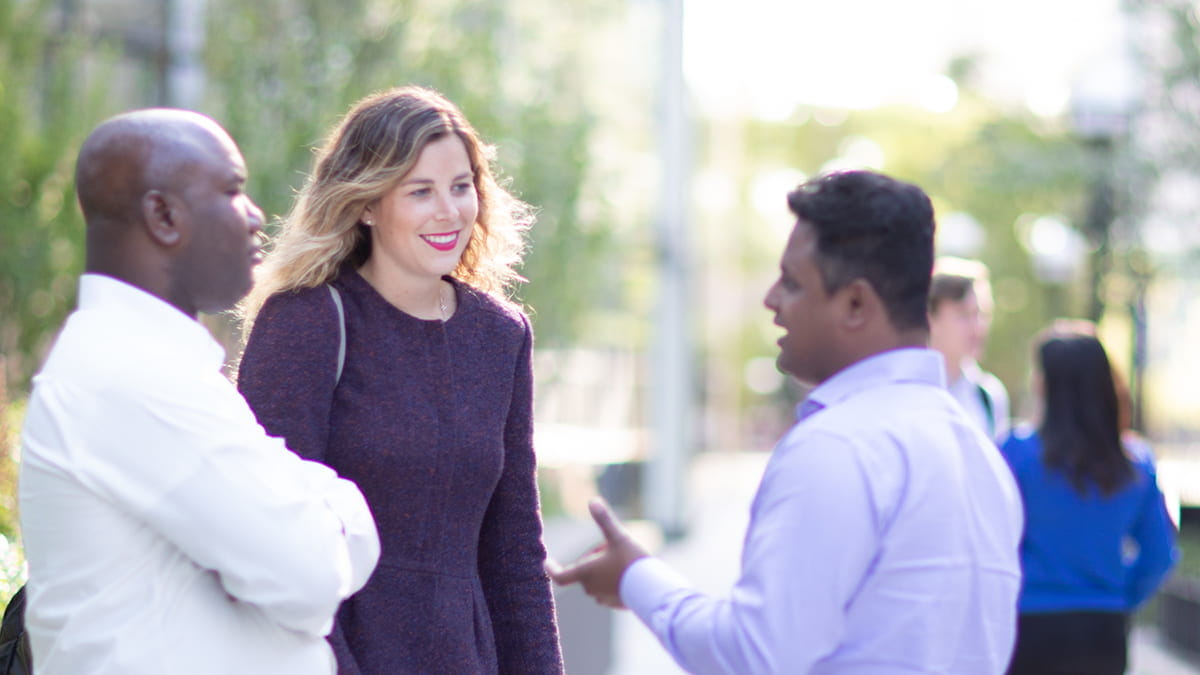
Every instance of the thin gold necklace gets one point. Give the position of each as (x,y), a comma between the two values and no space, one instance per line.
(442,303)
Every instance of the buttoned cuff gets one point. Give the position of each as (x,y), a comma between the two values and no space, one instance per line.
(647,583)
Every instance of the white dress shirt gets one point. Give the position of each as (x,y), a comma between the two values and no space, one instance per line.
(985,399)
(883,539)
(165,532)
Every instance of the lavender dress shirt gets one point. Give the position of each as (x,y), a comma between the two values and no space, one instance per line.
(883,539)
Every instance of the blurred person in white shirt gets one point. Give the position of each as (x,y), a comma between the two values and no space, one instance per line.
(960,316)
(165,531)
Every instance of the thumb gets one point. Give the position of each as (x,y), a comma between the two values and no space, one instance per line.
(608,522)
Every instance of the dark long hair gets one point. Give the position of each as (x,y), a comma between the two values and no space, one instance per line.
(1081,421)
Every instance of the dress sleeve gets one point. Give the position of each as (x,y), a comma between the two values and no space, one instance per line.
(1155,536)
(288,369)
(511,553)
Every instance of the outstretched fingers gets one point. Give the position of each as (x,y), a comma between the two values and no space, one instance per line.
(563,576)
(599,570)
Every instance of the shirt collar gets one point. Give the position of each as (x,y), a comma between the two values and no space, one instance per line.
(970,369)
(909,364)
(147,314)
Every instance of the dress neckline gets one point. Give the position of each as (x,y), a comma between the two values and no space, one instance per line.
(355,278)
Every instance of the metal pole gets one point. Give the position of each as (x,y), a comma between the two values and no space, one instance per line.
(184,77)
(1099,220)
(671,405)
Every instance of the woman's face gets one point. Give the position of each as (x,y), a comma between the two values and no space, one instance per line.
(421,226)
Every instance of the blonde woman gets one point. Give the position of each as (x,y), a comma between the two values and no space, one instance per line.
(381,344)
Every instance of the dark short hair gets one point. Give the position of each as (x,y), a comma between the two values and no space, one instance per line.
(876,228)
(953,278)
(947,287)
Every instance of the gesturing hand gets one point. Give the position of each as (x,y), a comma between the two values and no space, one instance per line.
(599,571)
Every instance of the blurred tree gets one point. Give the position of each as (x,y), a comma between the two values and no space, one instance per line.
(1166,41)
(1167,45)
(52,91)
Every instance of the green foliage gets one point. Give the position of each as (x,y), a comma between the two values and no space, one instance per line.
(50,96)
(1008,167)
(10,422)
(12,557)
(1167,135)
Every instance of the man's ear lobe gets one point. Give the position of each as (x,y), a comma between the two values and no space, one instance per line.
(159,219)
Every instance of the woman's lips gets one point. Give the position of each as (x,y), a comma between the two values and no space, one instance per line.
(445,241)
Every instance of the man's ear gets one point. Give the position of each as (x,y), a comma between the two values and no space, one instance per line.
(159,219)
(859,304)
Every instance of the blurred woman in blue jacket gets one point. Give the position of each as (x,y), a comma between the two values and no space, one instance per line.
(1098,540)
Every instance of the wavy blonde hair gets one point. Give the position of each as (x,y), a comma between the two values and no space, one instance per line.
(370,150)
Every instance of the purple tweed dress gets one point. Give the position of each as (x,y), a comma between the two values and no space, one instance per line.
(433,421)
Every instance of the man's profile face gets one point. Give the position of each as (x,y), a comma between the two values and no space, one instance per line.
(804,310)
(216,269)
(958,328)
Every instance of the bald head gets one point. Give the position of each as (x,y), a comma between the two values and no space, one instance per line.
(131,154)
(162,193)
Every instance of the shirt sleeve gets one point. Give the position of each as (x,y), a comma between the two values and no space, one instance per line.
(286,535)
(511,553)
(811,538)
(289,368)
(1155,536)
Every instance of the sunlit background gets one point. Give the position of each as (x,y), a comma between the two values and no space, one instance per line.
(658,139)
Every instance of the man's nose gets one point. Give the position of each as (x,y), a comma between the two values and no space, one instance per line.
(255,217)
(769,300)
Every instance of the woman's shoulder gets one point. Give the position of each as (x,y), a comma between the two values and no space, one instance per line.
(301,305)
(292,327)
(1023,442)
(1140,453)
(498,309)
(298,302)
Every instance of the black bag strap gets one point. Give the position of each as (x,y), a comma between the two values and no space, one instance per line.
(988,406)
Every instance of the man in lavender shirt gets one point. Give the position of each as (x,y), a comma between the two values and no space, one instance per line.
(883,537)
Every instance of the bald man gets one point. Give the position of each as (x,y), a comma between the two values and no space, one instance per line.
(165,531)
